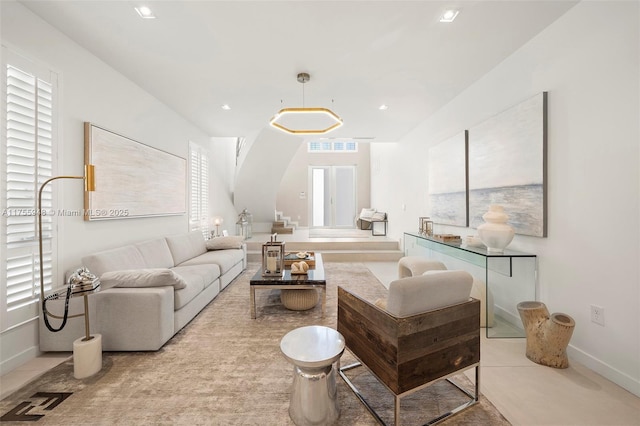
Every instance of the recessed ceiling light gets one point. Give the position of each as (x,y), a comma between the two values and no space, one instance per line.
(145,12)
(383,107)
(449,15)
(225,107)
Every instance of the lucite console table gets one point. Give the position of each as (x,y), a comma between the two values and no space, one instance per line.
(508,278)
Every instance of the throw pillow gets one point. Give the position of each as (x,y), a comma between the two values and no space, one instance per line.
(223,243)
(366,213)
(157,277)
(379,216)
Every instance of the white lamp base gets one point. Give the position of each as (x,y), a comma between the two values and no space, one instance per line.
(87,356)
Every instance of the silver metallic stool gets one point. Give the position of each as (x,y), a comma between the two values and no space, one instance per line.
(315,353)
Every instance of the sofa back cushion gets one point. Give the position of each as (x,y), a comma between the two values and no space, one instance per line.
(433,290)
(126,257)
(156,253)
(186,246)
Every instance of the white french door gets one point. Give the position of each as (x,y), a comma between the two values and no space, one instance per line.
(333,196)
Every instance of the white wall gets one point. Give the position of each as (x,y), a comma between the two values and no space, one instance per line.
(296,180)
(92,91)
(259,174)
(588,61)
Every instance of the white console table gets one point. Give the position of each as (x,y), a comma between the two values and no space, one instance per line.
(509,277)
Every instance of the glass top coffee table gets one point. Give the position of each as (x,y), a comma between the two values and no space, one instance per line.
(312,279)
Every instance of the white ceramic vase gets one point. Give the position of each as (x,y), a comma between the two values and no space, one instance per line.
(495,233)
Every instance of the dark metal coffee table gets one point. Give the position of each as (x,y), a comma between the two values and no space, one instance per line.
(312,279)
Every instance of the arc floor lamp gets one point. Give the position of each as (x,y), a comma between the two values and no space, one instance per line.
(87,351)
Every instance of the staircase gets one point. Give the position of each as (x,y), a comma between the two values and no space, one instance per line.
(377,249)
(283,224)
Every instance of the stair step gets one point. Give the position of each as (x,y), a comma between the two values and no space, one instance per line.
(323,246)
(279,224)
(346,255)
(281,230)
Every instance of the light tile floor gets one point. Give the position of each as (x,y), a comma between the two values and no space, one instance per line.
(525,393)
(530,394)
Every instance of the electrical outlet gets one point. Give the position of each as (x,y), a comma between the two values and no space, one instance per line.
(597,314)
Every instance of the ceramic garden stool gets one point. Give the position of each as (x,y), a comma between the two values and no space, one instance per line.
(411,266)
(547,335)
(315,353)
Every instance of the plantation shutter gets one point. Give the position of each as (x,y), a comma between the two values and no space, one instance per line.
(28,160)
(199,183)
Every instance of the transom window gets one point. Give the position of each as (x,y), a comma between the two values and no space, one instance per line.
(333,146)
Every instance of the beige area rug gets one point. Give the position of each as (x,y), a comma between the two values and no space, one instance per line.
(227,369)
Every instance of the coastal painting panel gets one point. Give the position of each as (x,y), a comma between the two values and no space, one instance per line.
(132,179)
(507,166)
(447,172)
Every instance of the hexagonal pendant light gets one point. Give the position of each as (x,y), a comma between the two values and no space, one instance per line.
(305,121)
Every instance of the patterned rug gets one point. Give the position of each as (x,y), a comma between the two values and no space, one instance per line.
(224,368)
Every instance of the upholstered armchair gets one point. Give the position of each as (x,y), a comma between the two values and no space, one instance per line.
(427,330)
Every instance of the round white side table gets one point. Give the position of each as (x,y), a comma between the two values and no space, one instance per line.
(313,351)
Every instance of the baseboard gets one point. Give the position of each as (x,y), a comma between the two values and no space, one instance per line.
(509,317)
(17,360)
(605,370)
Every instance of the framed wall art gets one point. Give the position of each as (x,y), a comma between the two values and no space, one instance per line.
(447,171)
(507,166)
(132,179)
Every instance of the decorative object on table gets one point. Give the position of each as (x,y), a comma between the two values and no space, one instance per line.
(447,174)
(507,156)
(425,226)
(495,233)
(273,257)
(217,221)
(299,268)
(87,351)
(127,189)
(292,256)
(473,241)
(547,335)
(447,238)
(305,121)
(244,224)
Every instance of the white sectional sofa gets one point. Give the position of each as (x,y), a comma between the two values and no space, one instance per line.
(137,314)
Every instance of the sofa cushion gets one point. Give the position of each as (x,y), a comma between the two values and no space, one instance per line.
(186,246)
(225,259)
(432,290)
(224,243)
(126,257)
(157,277)
(156,253)
(195,285)
(208,274)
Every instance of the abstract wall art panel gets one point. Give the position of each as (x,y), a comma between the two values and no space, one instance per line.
(448,181)
(132,179)
(507,166)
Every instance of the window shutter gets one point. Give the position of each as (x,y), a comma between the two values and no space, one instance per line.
(199,183)
(28,157)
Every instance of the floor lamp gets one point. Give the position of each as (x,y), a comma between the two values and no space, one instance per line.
(87,351)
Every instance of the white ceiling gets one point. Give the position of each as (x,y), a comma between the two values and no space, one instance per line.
(199,55)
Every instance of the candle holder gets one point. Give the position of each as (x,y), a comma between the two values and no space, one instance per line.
(273,257)
(425,227)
